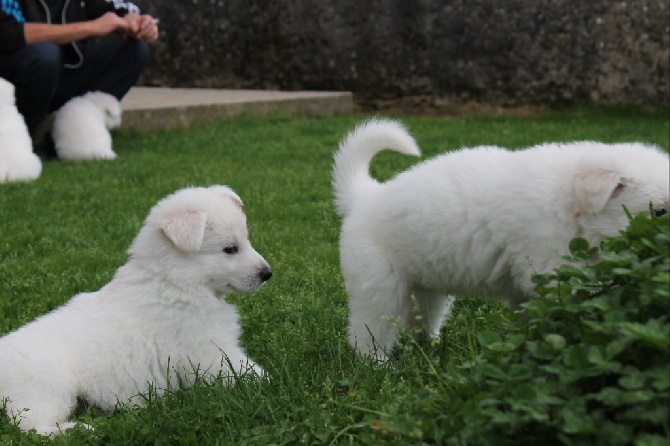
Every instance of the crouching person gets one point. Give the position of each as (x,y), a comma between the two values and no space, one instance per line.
(56,51)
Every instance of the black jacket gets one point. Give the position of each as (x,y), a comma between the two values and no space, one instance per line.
(15,13)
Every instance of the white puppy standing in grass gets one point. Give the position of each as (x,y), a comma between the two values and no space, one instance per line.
(81,127)
(163,315)
(17,160)
(475,221)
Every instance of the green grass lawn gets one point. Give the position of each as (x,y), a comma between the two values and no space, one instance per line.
(68,232)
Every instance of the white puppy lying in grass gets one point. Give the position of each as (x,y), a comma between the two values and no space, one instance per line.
(475,221)
(80,127)
(17,160)
(161,319)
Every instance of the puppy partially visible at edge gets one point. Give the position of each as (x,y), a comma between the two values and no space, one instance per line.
(17,160)
(161,319)
(476,221)
(81,127)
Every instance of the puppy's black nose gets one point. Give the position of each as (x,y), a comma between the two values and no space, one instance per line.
(265,274)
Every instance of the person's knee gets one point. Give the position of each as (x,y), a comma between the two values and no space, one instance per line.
(38,71)
(43,60)
(141,53)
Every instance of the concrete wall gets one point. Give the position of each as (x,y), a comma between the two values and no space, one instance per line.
(509,52)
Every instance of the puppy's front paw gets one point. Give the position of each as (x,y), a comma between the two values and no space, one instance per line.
(251,368)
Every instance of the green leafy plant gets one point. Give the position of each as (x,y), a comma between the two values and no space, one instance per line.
(588,362)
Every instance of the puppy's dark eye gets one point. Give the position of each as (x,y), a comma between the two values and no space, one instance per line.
(661,211)
(232,249)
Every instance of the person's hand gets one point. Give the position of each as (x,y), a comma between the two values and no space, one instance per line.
(143,27)
(110,23)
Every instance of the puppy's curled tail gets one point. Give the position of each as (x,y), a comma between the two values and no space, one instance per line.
(352,161)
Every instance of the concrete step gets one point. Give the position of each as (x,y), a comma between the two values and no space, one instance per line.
(154,108)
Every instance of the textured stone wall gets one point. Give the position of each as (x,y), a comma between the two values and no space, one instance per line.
(508,52)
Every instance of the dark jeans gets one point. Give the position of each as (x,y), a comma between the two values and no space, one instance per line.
(111,65)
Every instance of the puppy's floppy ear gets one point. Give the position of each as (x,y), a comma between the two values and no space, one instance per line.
(185,229)
(228,192)
(594,188)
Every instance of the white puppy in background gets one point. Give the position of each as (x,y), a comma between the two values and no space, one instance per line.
(162,316)
(475,221)
(17,160)
(81,127)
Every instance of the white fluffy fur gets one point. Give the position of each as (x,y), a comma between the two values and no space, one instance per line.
(17,160)
(479,220)
(162,317)
(80,127)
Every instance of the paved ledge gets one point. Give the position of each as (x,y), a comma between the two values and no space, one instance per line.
(154,108)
